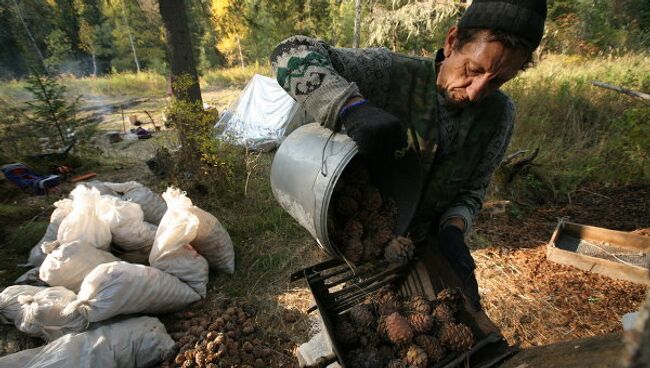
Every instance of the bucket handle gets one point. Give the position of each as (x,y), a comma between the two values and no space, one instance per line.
(323,162)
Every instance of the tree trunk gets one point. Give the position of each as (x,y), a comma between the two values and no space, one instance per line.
(128,31)
(241,55)
(179,43)
(29,33)
(357,24)
(94,64)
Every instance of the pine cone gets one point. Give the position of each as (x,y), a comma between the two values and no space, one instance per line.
(371,199)
(397,363)
(398,329)
(416,357)
(370,250)
(353,229)
(419,304)
(421,323)
(442,313)
(399,250)
(361,315)
(452,297)
(387,302)
(435,351)
(384,228)
(353,251)
(381,327)
(346,333)
(346,207)
(457,337)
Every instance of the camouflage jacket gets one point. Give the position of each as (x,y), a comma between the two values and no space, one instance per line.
(459,148)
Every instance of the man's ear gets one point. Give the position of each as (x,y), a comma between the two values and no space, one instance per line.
(450,40)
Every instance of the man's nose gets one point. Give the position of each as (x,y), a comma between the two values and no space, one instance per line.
(476,89)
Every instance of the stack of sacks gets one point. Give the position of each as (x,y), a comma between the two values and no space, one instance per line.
(78,260)
(152,205)
(132,236)
(134,342)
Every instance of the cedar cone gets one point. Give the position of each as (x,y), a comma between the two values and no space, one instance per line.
(421,323)
(361,315)
(389,208)
(345,333)
(398,329)
(371,199)
(399,250)
(419,304)
(370,250)
(353,229)
(416,357)
(397,363)
(346,207)
(457,337)
(353,251)
(383,229)
(452,297)
(442,313)
(381,327)
(387,302)
(435,351)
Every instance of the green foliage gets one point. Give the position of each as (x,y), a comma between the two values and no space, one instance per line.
(60,52)
(234,76)
(56,114)
(584,133)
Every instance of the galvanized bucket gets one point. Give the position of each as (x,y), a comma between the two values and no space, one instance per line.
(309,163)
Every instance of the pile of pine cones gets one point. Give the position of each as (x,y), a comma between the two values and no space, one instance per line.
(390,331)
(361,222)
(226,337)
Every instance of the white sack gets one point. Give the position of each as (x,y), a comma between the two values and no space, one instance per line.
(100,186)
(135,342)
(9,304)
(61,210)
(171,251)
(213,242)
(126,221)
(118,288)
(83,224)
(43,314)
(67,264)
(153,207)
(30,278)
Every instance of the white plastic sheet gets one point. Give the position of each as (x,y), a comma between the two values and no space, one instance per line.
(135,342)
(262,115)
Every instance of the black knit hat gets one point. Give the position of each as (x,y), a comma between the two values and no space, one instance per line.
(524,18)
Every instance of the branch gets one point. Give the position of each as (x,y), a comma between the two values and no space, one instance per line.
(629,92)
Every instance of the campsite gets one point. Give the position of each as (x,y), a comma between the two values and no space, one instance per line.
(177,190)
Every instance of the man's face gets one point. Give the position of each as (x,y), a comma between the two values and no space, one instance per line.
(475,70)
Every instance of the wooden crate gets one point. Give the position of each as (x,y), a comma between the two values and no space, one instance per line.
(612,253)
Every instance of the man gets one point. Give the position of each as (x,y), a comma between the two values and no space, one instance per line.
(450,110)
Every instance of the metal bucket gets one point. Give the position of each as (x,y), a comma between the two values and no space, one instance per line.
(309,163)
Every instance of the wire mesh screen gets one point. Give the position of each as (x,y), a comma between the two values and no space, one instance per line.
(604,251)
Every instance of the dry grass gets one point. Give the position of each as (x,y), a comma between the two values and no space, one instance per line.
(536,302)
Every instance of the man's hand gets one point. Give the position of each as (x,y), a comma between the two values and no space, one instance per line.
(453,247)
(376,132)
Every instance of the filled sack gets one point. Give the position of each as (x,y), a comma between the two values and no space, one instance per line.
(153,207)
(125,219)
(100,186)
(9,304)
(83,223)
(30,277)
(68,264)
(134,342)
(61,210)
(171,251)
(43,314)
(213,242)
(118,288)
